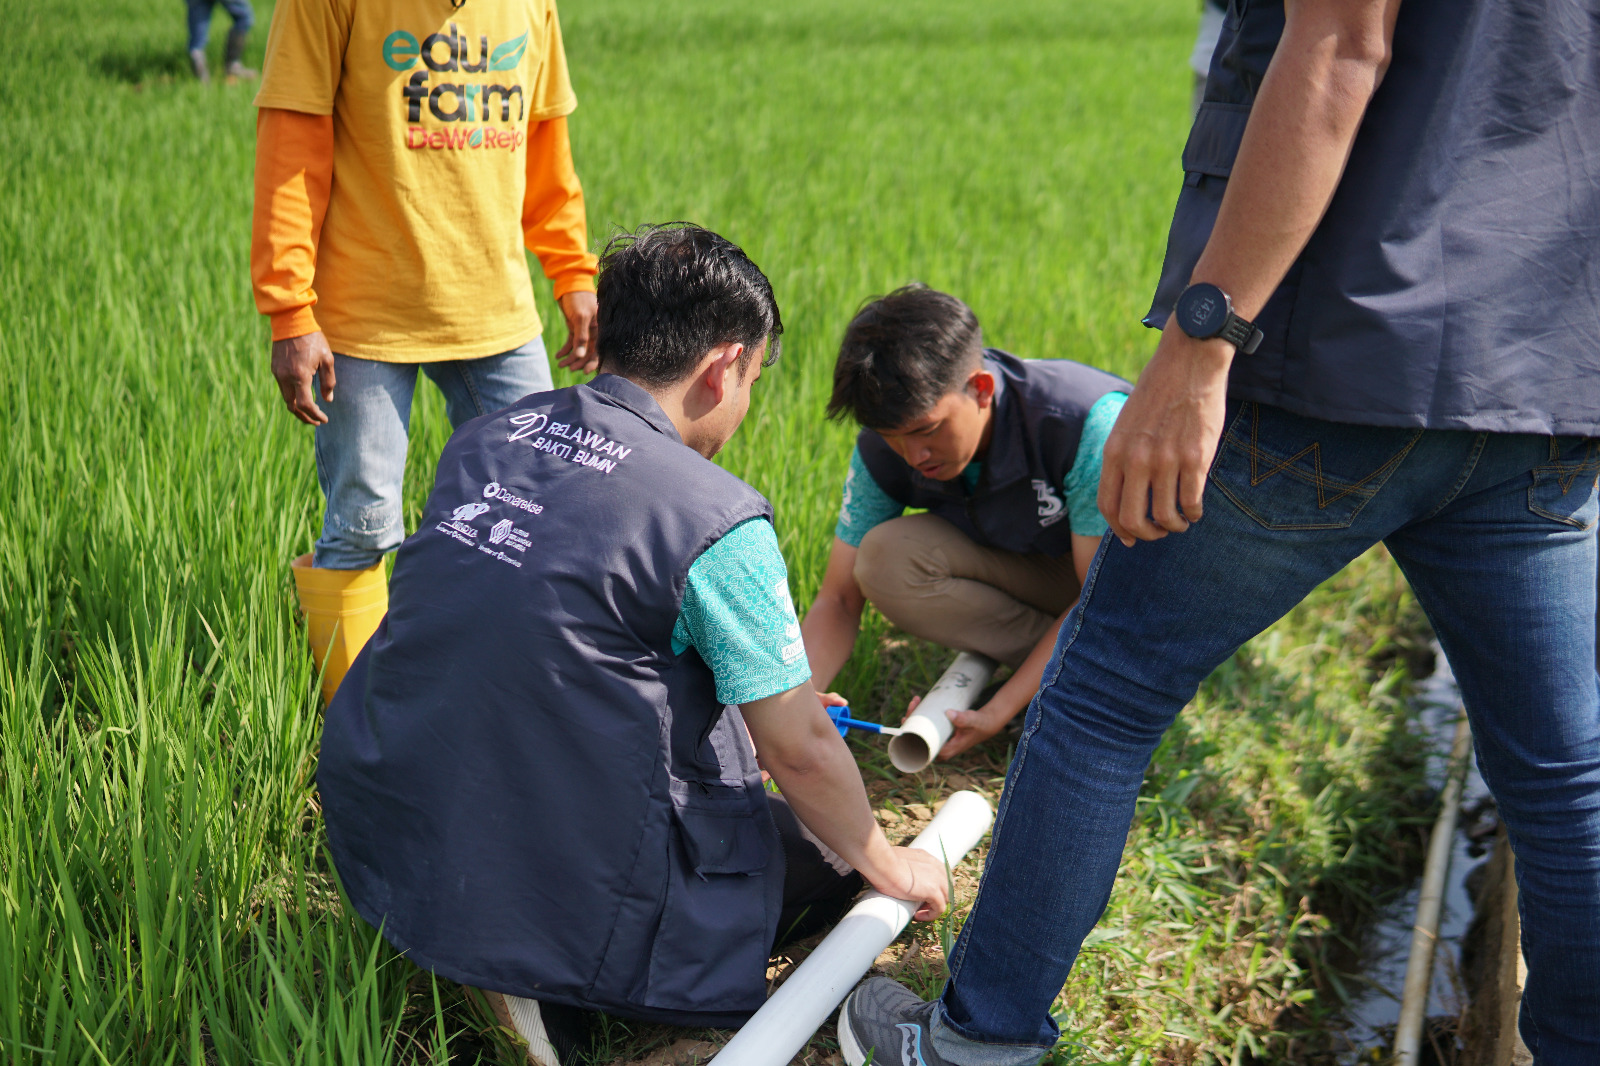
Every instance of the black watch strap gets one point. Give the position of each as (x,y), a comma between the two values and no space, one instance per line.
(1240,333)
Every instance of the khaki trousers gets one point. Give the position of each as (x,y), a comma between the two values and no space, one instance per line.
(935,582)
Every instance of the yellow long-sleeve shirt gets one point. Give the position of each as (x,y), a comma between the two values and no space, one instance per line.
(392,157)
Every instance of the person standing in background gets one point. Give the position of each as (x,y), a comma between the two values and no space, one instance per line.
(406,153)
(200,32)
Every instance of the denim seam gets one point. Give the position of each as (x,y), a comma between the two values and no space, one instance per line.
(472,389)
(1319,480)
(1467,470)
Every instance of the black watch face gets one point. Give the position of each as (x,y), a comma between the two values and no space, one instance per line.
(1202,311)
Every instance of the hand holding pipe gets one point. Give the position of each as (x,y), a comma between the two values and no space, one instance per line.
(929,728)
(819,984)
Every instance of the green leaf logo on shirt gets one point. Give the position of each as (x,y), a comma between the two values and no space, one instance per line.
(507,56)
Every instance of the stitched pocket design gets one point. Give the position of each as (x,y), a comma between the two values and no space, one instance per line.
(1564,488)
(1294,473)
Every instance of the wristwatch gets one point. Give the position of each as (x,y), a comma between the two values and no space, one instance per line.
(1205,311)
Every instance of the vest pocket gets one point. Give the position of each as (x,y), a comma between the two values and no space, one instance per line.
(1563,489)
(1214,140)
(1291,472)
(720,833)
(710,950)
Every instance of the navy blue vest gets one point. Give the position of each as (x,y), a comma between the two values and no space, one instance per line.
(1455,281)
(524,787)
(1039,409)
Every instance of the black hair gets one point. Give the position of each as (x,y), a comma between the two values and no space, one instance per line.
(670,293)
(901,354)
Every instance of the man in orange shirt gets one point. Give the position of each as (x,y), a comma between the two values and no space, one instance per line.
(406,153)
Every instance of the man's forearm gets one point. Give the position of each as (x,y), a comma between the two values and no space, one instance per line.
(1302,125)
(1019,688)
(829,632)
(832,802)
(813,766)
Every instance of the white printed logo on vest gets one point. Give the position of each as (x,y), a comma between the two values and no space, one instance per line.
(569,441)
(503,532)
(1051,509)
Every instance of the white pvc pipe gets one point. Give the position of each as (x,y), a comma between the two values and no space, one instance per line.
(777,1032)
(1425,930)
(927,730)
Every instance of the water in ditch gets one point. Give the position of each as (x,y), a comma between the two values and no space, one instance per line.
(1375,1007)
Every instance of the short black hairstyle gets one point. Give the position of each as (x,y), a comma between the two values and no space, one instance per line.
(670,293)
(901,354)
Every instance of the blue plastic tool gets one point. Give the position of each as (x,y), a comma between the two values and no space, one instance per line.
(844,723)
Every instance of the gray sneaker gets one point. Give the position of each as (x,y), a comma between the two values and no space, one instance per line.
(889,1022)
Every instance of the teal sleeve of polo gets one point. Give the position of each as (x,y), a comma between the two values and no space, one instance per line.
(864,503)
(737,613)
(1082,483)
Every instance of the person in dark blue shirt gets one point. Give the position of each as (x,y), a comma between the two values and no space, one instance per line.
(1380,315)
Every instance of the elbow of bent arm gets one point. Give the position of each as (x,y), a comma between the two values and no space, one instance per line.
(1363,45)
(807,756)
(1367,55)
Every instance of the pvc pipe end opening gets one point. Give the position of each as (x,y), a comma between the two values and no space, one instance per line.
(911,753)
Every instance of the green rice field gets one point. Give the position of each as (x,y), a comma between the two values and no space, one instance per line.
(166,895)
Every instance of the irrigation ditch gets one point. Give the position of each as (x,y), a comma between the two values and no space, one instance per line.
(1465,983)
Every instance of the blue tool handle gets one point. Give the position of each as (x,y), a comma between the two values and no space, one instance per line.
(844,723)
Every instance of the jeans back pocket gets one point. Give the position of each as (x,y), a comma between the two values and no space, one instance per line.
(1291,472)
(1563,489)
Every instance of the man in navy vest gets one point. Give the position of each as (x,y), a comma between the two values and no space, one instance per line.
(1004,456)
(1381,312)
(535,777)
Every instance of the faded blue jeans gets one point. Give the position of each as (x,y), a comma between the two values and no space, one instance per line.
(200,19)
(361,448)
(1496,534)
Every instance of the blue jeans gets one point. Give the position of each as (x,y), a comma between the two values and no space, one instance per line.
(200,19)
(1496,534)
(361,449)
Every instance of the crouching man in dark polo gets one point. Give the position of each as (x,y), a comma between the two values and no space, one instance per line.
(535,777)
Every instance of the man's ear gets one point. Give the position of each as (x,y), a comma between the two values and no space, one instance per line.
(721,374)
(982,385)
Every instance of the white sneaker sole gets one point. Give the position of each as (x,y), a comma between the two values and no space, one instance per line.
(523,1017)
(849,1046)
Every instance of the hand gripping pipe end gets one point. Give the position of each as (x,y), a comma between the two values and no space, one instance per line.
(777,1032)
(927,730)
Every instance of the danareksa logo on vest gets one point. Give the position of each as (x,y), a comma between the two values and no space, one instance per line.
(1051,509)
(495,491)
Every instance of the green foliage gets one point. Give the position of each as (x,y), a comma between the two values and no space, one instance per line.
(165,893)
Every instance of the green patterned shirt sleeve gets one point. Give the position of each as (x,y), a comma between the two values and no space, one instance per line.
(864,504)
(737,613)
(1082,484)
